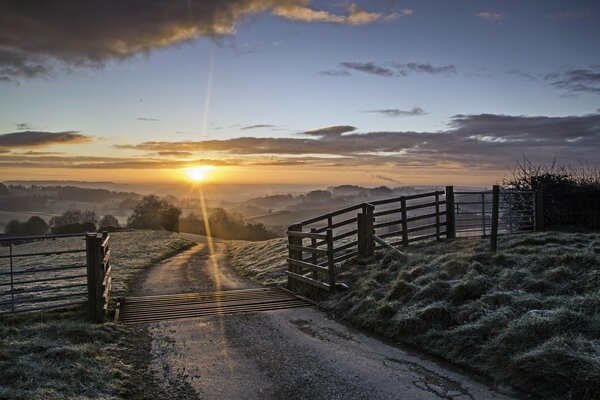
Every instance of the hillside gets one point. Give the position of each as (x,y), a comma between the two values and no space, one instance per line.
(527,316)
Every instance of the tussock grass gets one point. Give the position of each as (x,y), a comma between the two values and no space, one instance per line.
(60,355)
(527,316)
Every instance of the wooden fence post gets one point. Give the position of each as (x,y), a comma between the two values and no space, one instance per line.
(314,257)
(330,263)
(366,247)
(404,221)
(450,221)
(95,276)
(294,255)
(495,216)
(437,216)
(539,210)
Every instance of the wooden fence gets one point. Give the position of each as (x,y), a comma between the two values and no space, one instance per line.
(317,244)
(55,278)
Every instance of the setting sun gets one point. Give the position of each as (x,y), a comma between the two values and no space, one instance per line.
(198,174)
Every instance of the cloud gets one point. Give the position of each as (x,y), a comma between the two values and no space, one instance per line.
(35,37)
(256,127)
(494,16)
(147,119)
(388,179)
(333,72)
(395,112)
(573,80)
(399,69)
(473,141)
(368,68)
(408,68)
(578,80)
(334,130)
(25,126)
(30,139)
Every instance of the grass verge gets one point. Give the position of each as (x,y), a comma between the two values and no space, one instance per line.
(59,355)
(527,316)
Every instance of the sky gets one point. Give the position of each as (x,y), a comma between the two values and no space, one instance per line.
(296,91)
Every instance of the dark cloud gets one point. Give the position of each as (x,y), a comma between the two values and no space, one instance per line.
(399,69)
(333,72)
(572,80)
(335,130)
(25,126)
(147,119)
(36,35)
(579,80)
(257,126)
(395,112)
(388,179)
(474,141)
(368,68)
(408,68)
(29,139)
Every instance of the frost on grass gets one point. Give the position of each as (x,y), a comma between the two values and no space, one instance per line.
(527,316)
(59,355)
(263,261)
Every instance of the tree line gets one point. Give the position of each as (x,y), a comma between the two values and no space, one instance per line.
(151,212)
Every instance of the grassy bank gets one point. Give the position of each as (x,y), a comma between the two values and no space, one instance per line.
(59,355)
(527,316)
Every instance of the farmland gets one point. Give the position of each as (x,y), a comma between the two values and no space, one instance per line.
(526,316)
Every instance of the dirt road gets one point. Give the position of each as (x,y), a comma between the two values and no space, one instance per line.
(285,354)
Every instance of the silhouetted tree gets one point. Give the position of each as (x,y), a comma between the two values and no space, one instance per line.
(109,222)
(36,226)
(153,213)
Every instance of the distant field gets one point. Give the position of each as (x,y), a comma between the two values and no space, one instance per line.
(527,316)
(278,219)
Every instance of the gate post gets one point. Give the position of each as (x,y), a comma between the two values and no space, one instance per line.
(366,247)
(450,221)
(539,210)
(495,216)
(330,263)
(294,255)
(95,275)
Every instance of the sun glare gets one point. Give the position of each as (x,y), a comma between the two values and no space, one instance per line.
(198,174)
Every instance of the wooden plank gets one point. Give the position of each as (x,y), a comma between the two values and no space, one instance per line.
(311,235)
(422,228)
(307,265)
(307,249)
(346,246)
(306,280)
(345,234)
(330,260)
(387,223)
(404,222)
(345,256)
(385,244)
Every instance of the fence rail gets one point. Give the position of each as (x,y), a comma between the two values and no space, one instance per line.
(57,277)
(317,244)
